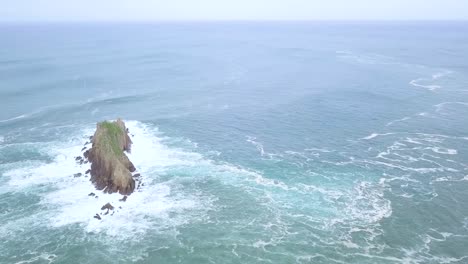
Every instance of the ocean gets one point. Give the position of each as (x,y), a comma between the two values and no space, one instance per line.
(258,142)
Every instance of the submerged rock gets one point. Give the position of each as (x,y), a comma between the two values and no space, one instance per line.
(98,217)
(111,170)
(107,206)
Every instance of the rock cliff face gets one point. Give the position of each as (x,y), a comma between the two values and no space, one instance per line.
(111,170)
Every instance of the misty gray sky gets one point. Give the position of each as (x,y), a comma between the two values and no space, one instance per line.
(147,10)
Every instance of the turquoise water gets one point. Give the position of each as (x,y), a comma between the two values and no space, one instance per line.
(257,142)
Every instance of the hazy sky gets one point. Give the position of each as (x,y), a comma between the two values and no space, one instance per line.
(135,10)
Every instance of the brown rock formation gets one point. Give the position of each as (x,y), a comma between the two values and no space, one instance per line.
(107,206)
(111,169)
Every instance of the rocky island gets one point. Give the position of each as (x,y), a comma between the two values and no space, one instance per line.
(111,170)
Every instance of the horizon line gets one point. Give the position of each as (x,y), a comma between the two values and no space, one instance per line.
(53,21)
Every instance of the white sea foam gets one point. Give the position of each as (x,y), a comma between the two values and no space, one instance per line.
(374,135)
(450,179)
(300,154)
(2,139)
(414,152)
(368,204)
(14,118)
(440,107)
(446,151)
(331,195)
(319,150)
(426,83)
(258,145)
(398,120)
(435,138)
(371,136)
(39,258)
(63,166)
(430,87)
(261,244)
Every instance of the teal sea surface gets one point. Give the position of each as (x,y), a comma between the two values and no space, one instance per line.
(257,142)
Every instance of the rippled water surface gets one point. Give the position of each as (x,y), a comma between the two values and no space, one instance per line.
(257,142)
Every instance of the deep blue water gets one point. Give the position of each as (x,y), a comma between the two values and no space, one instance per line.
(259,142)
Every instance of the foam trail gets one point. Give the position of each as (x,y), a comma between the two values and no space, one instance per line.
(440,107)
(450,179)
(398,120)
(14,118)
(434,77)
(430,87)
(258,145)
(430,137)
(319,150)
(446,151)
(27,115)
(374,135)
(371,136)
